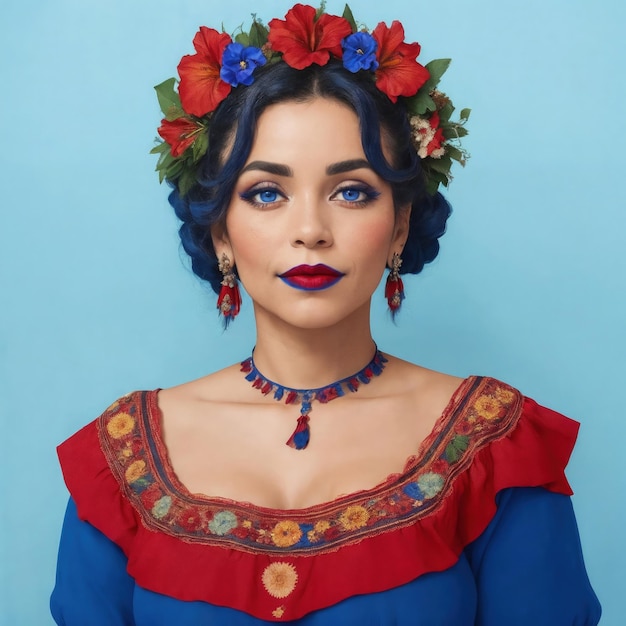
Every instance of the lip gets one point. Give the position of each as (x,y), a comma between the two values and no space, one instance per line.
(311,277)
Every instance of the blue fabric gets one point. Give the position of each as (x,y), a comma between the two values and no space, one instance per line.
(525,569)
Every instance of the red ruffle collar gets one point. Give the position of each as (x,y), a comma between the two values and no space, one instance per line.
(194,548)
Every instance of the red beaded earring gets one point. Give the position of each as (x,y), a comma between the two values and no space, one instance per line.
(394,289)
(229,299)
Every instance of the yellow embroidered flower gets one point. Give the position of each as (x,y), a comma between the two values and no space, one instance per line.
(135,471)
(505,395)
(354,517)
(488,407)
(279,579)
(278,612)
(322,526)
(127,451)
(120,425)
(246,523)
(286,533)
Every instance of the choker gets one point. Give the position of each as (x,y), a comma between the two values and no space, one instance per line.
(301,435)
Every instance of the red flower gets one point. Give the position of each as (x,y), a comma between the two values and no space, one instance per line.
(201,89)
(179,134)
(189,519)
(150,496)
(398,73)
(303,40)
(437,141)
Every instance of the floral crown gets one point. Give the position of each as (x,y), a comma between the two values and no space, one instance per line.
(306,36)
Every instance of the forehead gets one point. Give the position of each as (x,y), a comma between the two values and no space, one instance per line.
(318,129)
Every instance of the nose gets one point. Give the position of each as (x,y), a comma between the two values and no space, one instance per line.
(311,226)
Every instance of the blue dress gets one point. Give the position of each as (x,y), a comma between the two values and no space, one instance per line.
(477,530)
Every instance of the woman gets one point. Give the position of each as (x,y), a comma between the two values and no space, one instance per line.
(304,161)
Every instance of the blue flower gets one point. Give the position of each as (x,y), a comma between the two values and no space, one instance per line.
(162,507)
(223,522)
(359,52)
(413,491)
(431,484)
(239,63)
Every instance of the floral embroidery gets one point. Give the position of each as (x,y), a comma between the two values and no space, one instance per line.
(286,533)
(279,579)
(278,612)
(482,411)
(488,407)
(135,471)
(121,425)
(430,484)
(354,517)
(162,507)
(223,522)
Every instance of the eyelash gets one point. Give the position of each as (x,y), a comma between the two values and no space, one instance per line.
(369,192)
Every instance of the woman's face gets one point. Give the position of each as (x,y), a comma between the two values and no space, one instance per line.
(310,226)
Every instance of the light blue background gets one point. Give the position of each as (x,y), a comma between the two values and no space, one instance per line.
(96,300)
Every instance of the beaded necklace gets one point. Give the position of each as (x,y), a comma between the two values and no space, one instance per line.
(301,435)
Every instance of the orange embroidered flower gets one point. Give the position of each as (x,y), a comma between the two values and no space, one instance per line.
(286,533)
(303,40)
(135,471)
(279,579)
(201,88)
(488,407)
(179,134)
(354,517)
(120,425)
(398,73)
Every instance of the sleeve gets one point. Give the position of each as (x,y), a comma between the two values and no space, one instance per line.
(528,564)
(92,587)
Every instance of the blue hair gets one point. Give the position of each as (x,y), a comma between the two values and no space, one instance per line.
(235,121)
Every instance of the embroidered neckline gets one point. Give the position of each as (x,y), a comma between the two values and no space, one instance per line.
(480,411)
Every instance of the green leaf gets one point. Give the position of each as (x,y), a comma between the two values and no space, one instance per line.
(454,131)
(200,145)
(441,165)
(169,100)
(321,10)
(187,181)
(160,148)
(258,33)
(446,112)
(420,103)
(347,15)
(243,39)
(464,114)
(437,68)
(456,154)
(455,449)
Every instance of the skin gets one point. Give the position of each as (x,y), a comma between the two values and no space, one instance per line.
(225,438)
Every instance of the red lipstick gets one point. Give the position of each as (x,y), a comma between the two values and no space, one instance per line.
(311,277)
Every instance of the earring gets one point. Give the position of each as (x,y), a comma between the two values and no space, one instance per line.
(229,299)
(394,289)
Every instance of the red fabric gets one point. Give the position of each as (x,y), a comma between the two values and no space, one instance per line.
(534,453)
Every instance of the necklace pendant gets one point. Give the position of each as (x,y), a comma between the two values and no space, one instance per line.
(301,435)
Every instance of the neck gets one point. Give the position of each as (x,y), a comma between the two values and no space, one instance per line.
(310,358)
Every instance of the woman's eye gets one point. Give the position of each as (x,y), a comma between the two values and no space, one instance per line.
(359,196)
(352,195)
(261,197)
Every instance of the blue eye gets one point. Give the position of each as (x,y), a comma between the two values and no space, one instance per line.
(261,197)
(351,195)
(356,195)
(267,195)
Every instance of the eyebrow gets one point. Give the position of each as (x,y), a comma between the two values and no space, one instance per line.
(284,170)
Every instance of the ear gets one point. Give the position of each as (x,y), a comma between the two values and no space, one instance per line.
(221,241)
(400,232)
